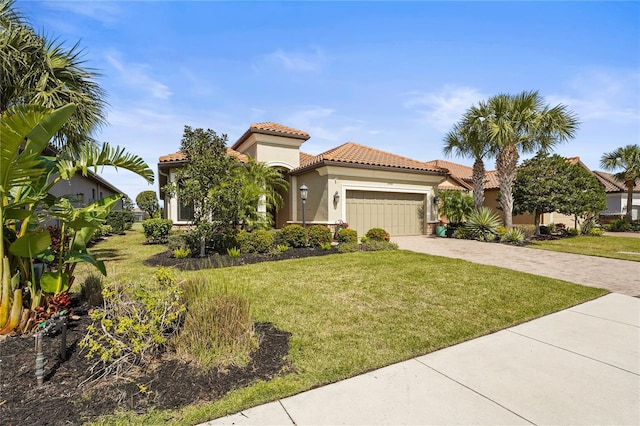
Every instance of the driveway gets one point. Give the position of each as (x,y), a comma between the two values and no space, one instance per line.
(619,276)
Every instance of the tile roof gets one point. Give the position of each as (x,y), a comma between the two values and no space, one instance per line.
(491,180)
(278,128)
(353,153)
(178,157)
(459,171)
(611,184)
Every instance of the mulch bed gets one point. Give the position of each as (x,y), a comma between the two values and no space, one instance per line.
(222,261)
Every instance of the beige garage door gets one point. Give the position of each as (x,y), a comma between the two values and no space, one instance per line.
(398,213)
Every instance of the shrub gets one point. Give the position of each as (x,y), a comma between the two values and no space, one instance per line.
(501,230)
(134,324)
(319,234)
(157,230)
(222,241)
(292,235)
(91,290)
(620,225)
(461,233)
(176,241)
(588,224)
(218,329)
(513,236)
(482,224)
(325,246)
(181,253)
(378,245)
(544,230)
(571,232)
(596,232)
(120,221)
(347,236)
(552,228)
(259,241)
(528,230)
(233,252)
(378,234)
(282,248)
(348,247)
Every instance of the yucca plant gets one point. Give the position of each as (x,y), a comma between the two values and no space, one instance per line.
(482,224)
(514,236)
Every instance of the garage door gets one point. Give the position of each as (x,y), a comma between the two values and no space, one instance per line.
(398,213)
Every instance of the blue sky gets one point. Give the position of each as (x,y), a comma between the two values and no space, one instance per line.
(391,75)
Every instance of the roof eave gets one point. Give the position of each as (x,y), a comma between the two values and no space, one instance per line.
(252,130)
(321,163)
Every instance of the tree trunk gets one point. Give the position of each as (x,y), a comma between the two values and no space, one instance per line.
(478,183)
(629,214)
(506,163)
(536,221)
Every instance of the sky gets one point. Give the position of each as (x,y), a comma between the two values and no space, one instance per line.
(394,76)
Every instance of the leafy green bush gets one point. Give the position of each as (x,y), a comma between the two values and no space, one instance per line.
(501,230)
(157,230)
(589,223)
(378,234)
(482,224)
(134,324)
(319,234)
(378,245)
(176,241)
(233,252)
(513,236)
(348,247)
(292,235)
(222,241)
(347,236)
(544,230)
(282,248)
(619,225)
(120,221)
(596,232)
(552,228)
(461,233)
(325,246)
(570,232)
(259,241)
(181,253)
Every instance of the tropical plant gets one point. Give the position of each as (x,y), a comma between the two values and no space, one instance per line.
(455,206)
(38,71)
(482,224)
(469,139)
(520,124)
(26,177)
(626,158)
(513,236)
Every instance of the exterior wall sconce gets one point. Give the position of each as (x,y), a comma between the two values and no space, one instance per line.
(435,200)
(336,197)
(304,192)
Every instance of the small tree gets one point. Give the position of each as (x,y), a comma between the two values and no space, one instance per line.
(545,184)
(455,206)
(147,201)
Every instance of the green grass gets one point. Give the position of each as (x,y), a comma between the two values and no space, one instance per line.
(351,313)
(625,248)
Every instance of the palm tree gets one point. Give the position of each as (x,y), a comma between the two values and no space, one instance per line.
(468,139)
(37,71)
(521,124)
(628,159)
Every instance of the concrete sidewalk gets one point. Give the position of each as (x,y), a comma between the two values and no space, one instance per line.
(620,276)
(577,366)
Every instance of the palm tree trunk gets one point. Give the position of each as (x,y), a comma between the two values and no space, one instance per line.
(478,183)
(506,163)
(629,214)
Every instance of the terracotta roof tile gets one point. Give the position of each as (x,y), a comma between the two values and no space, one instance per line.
(179,156)
(353,153)
(459,171)
(278,128)
(611,184)
(491,180)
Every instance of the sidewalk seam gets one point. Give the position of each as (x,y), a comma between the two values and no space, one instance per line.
(605,319)
(572,352)
(288,415)
(475,391)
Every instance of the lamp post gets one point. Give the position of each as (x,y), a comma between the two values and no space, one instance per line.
(304,191)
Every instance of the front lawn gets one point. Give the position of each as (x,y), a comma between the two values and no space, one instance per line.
(625,248)
(351,313)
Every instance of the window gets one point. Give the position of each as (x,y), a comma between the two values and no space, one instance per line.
(185,211)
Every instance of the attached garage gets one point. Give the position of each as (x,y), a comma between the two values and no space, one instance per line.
(399,213)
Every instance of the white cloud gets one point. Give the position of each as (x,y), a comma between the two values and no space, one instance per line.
(137,76)
(106,12)
(445,107)
(603,95)
(297,61)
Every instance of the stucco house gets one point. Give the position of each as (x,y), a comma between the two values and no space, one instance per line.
(84,190)
(362,186)
(617,197)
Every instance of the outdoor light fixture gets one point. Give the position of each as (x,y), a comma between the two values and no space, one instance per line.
(435,200)
(304,192)
(336,197)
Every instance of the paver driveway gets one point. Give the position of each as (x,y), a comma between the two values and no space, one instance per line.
(619,276)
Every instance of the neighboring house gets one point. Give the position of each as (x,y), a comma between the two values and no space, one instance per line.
(460,179)
(362,186)
(617,197)
(84,190)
